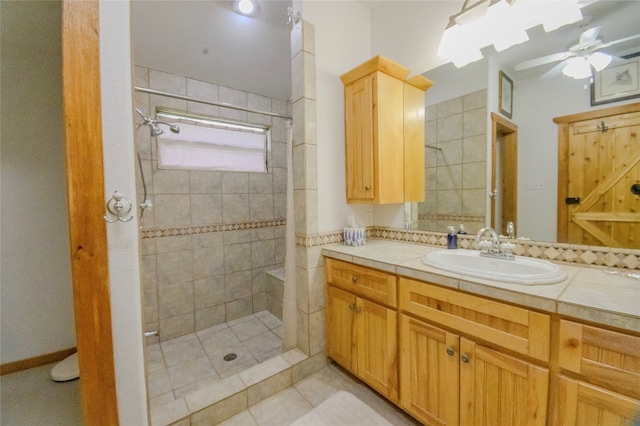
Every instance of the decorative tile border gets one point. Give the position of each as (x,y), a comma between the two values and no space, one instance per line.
(568,253)
(207,229)
(452,217)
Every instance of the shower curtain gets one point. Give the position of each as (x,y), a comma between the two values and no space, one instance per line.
(289,310)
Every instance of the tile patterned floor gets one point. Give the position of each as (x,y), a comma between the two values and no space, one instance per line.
(188,363)
(300,398)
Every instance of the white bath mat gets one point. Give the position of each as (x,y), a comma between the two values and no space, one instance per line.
(342,409)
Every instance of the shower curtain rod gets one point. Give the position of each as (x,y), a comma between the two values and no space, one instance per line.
(202,101)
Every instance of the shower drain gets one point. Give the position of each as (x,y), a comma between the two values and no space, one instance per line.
(230,357)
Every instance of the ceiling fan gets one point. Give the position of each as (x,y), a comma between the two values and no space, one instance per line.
(578,60)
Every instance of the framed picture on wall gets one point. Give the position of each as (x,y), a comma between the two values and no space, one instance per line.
(617,82)
(505,94)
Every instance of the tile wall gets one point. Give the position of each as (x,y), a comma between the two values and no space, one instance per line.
(455,174)
(210,236)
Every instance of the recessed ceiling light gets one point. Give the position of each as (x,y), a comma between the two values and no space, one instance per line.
(244,7)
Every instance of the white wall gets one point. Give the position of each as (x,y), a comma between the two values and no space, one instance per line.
(409,32)
(119,170)
(343,41)
(36,290)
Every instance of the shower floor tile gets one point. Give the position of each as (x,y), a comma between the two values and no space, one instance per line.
(191,362)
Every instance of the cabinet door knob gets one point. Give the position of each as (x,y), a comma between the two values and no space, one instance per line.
(367,187)
(358,309)
(351,306)
(354,279)
(464,358)
(451,352)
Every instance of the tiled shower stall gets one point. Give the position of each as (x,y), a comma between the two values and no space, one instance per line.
(210,237)
(456,161)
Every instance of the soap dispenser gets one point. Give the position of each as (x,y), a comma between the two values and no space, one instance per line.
(452,238)
(461,230)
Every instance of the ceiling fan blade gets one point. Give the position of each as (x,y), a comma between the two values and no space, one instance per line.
(554,71)
(620,40)
(589,36)
(542,60)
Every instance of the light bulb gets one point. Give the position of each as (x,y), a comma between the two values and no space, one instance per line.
(245,7)
(577,68)
(599,60)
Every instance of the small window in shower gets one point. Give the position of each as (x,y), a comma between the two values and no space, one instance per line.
(206,143)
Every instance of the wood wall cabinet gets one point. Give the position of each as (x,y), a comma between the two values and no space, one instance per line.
(384,133)
(362,324)
(599,382)
(450,379)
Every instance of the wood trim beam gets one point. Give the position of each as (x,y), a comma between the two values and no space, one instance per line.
(87,230)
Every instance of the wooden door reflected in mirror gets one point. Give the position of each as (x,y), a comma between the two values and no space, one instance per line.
(504,174)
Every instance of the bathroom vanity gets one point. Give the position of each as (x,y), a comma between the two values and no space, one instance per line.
(457,350)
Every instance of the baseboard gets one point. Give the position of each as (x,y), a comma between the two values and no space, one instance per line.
(37,361)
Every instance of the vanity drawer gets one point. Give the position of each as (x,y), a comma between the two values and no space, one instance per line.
(607,358)
(510,327)
(374,285)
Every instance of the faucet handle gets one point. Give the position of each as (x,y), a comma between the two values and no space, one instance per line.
(507,249)
(485,245)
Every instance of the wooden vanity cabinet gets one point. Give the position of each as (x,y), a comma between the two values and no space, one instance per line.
(384,133)
(452,377)
(599,381)
(362,324)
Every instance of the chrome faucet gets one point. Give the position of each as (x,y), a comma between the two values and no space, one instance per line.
(510,232)
(494,240)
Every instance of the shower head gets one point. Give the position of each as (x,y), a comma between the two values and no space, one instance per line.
(154,129)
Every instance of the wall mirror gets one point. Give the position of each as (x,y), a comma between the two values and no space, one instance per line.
(459,128)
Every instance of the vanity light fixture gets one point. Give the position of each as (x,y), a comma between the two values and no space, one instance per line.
(245,7)
(502,23)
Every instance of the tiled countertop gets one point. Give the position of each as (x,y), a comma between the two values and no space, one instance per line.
(590,294)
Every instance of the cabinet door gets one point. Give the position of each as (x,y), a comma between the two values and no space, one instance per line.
(359,134)
(497,389)
(582,404)
(377,347)
(414,179)
(607,358)
(429,366)
(340,317)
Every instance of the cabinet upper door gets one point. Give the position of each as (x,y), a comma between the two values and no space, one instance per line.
(359,147)
(499,390)
(429,372)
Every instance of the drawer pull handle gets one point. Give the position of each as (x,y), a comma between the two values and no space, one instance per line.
(464,358)
(451,352)
(354,279)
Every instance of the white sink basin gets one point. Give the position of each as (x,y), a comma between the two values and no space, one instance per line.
(522,270)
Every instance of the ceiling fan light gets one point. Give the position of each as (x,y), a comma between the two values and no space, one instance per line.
(577,68)
(599,60)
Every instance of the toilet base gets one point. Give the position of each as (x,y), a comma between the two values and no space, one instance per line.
(66,370)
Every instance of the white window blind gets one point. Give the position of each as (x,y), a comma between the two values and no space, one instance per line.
(211,144)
